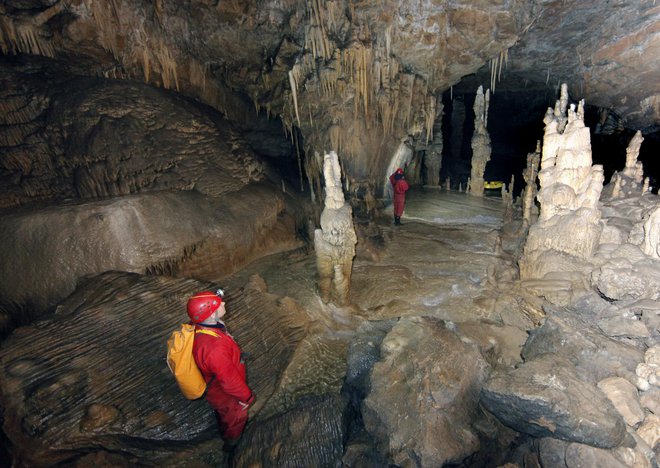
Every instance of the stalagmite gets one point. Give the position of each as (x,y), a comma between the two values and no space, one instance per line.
(569,221)
(433,157)
(629,181)
(480,143)
(335,241)
(448,184)
(507,198)
(530,210)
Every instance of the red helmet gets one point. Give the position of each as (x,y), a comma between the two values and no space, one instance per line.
(202,305)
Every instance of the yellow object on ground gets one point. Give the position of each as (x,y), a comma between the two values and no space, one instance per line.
(495,184)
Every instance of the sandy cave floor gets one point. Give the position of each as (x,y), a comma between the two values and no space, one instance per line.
(435,264)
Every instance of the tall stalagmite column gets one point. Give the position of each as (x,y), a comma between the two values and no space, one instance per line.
(335,241)
(433,158)
(480,143)
(530,211)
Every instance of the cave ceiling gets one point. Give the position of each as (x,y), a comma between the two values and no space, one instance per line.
(355,76)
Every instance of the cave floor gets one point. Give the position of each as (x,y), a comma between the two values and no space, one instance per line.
(438,263)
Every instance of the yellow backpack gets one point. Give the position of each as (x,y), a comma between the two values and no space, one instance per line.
(181,362)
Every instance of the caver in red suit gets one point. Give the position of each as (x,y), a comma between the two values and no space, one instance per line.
(219,359)
(400,187)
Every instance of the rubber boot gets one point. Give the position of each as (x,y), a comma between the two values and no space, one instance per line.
(397,220)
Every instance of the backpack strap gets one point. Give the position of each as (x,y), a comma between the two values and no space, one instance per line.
(207,332)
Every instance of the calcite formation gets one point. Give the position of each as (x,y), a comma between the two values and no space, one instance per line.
(568,225)
(630,181)
(530,210)
(480,142)
(335,241)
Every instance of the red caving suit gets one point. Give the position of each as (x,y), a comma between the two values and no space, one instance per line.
(399,199)
(219,360)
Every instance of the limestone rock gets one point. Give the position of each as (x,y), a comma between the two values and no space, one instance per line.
(424,391)
(648,372)
(579,455)
(311,434)
(649,431)
(544,398)
(623,396)
(565,333)
(103,138)
(363,353)
(652,234)
(650,400)
(163,233)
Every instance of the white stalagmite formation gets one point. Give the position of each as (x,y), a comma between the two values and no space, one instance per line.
(335,241)
(480,142)
(630,181)
(568,226)
(530,210)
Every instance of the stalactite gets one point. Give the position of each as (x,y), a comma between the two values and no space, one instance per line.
(168,66)
(106,21)
(316,38)
(294,93)
(141,52)
(357,62)
(496,68)
(25,37)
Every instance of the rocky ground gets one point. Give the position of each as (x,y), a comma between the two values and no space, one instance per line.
(443,358)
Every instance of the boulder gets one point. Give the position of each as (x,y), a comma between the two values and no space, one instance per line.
(623,396)
(424,394)
(568,333)
(544,398)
